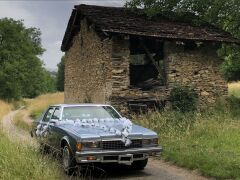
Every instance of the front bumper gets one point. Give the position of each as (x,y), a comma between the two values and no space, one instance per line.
(126,156)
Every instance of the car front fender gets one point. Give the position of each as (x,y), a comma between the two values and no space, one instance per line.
(65,140)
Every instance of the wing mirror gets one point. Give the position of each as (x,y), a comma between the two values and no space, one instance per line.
(53,121)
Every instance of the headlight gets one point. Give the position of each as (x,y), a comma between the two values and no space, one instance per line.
(88,145)
(150,142)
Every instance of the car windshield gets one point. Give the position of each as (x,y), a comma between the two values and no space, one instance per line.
(89,112)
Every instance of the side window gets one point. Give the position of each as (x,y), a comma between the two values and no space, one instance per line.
(56,114)
(48,115)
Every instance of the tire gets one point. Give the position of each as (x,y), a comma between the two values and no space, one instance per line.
(68,161)
(139,165)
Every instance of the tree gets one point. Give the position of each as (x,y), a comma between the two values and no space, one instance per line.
(221,13)
(60,75)
(21,71)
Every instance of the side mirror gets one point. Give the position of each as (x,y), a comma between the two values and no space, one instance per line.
(53,121)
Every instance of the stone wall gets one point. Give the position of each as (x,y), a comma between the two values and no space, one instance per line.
(121,92)
(88,68)
(98,71)
(120,71)
(198,68)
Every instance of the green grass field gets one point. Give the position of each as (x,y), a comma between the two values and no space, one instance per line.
(208,141)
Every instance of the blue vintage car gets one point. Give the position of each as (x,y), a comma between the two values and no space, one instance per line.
(88,133)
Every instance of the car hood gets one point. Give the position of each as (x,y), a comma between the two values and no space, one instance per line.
(97,133)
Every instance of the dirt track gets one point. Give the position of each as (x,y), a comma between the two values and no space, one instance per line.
(14,133)
(155,169)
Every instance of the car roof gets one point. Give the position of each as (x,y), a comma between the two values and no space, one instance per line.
(76,105)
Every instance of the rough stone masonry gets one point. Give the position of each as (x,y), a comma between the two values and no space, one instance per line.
(97,70)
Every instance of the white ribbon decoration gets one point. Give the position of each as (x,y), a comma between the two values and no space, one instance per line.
(42,131)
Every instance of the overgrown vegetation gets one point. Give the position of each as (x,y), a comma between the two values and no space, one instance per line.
(18,161)
(5,108)
(220,13)
(234,89)
(183,98)
(36,106)
(206,141)
(21,71)
(24,162)
(19,121)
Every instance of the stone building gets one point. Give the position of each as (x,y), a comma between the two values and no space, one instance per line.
(121,57)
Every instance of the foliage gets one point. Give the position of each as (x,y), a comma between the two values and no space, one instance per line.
(87,99)
(221,13)
(231,66)
(60,75)
(205,141)
(21,71)
(183,98)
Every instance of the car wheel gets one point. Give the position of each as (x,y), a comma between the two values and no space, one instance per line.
(139,165)
(68,160)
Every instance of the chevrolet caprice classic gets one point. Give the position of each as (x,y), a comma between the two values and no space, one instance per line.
(89,133)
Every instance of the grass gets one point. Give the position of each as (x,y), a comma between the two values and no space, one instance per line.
(206,141)
(36,106)
(234,89)
(24,162)
(18,121)
(5,108)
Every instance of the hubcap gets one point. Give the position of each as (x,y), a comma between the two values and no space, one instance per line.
(66,157)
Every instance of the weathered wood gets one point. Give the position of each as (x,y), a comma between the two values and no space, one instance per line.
(150,56)
(112,20)
(152,59)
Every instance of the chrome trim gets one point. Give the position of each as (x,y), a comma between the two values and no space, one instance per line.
(117,160)
(120,161)
(119,152)
(119,139)
(118,144)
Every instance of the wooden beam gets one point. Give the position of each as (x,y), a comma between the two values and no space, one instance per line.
(151,58)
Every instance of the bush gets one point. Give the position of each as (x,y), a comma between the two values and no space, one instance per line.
(183,98)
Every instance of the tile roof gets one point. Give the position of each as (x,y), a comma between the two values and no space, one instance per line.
(120,20)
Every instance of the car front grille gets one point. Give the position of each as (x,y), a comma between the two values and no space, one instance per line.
(136,143)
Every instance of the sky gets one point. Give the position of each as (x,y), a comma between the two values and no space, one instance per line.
(51,17)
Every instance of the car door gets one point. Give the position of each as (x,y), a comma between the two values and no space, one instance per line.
(54,131)
(45,125)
